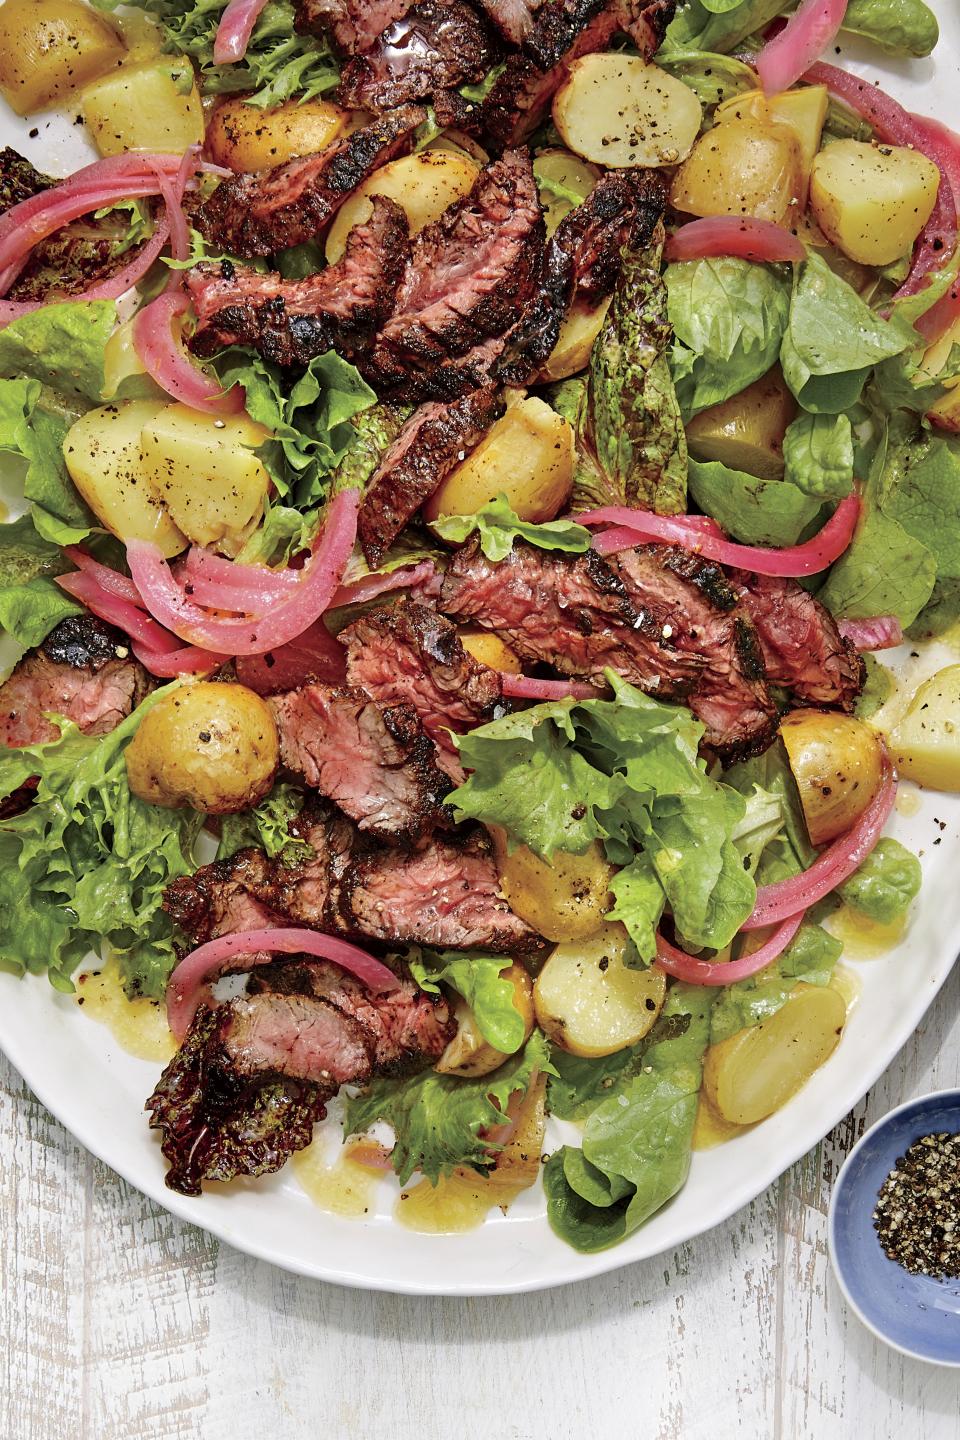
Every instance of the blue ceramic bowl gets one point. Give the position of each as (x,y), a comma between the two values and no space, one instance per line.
(913,1313)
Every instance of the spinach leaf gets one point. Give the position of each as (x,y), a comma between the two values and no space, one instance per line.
(818,455)
(900,27)
(885,884)
(757,512)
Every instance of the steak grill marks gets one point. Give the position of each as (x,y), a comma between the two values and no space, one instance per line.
(436,45)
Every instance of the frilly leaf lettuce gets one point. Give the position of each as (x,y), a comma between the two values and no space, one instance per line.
(818,455)
(478,979)
(437,1119)
(88,862)
(637,1143)
(885,884)
(729,317)
(754,511)
(30,603)
(499,525)
(900,27)
(374,431)
(265,826)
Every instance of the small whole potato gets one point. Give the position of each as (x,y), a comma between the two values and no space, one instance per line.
(209,745)
(468,1053)
(563,899)
(837,762)
(245,138)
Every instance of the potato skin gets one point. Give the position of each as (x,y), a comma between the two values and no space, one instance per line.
(244,137)
(837,762)
(209,745)
(563,901)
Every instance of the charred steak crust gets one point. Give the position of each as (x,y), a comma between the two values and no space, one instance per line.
(376,764)
(435,46)
(573,612)
(468,276)
(292,321)
(556,28)
(582,262)
(352,25)
(269,210)
(84,671)
(432,442)
(407,653)
(513,18)
(801,645)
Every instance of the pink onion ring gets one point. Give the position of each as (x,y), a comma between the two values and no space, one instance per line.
(153,646)
(524,687)
(110,580)
(810,558)
(831,867)
(711,972)
(172,191)
(750,239)
(674,529)
(187,660)
(234,31)
(808,32)
(186,984)
(370,586)
(212,580)
(879,632)
(167,362)
(944,148)
(259,632)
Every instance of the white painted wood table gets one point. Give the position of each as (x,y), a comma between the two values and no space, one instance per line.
(121,1323)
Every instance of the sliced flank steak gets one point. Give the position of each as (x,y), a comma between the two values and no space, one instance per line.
(376,764)
(409,654)
(469,275)
(83,671)
(569,611)
(802,648)
(434,440)
(513,18)
(270,210)
(292,321)
(436,45)
(352,25)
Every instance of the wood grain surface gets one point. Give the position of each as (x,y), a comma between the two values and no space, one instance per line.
(121,1323)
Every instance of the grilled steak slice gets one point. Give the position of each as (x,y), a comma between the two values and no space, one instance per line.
(692,599)
(269,210)
(291,321)
(582,262)
(431,443)
(569,611)
(513,18)
(299,1036)
(353,25)
(446,894)
(219,898)
(377,765)
(406,1029)
(469,273)
(84,671)
(408,654)
(436,45)
(802,648)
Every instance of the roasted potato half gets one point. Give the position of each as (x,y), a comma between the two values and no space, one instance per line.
(746,432)
(837,762)
(752,1073)
(50,48)
(209,745)
(743,167)
(423,185)
(563,899)
(245,137)
(580,328)
(926,743)
(618,110)
(872,201)
(587,1000)
(151,106)
(468,1052)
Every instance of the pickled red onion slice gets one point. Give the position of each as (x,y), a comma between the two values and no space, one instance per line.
(525,687)
(734,235)
(167,362)
(234,31)
(808,32)
(711,972)
(879,632)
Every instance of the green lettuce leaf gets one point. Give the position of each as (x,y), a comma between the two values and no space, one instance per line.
(30,603)
(810,957)
(918,489)
(477,978)
(636,1143)
(265,826)
(900,27)
(578,1085)
(61,346)
(36,436)
(885,884)
(754,511)
(718,24)
(729,317)
(713,78)
(818,455)
(88,862)
(884,572)
(374,431)
(877,689)
(499,525)
(437,1119)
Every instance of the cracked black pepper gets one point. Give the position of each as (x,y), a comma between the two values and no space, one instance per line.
(917,1216)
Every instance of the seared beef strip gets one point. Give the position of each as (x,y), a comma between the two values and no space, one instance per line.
(582,262)
(353,25)
(513,18)
(292,321)
(572,612)
(431,443)
(802,648)
(436,45)
(408,654)
(218,899)
(376,764)
(83,670)
(694,602)
(269,210)
(468,276)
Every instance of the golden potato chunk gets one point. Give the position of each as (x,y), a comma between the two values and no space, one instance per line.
(872,201)
(205,470)
(468,1053)
(563,899)
(244,137)
(926,743)
(588,1001)
(837,762)
(744,167)
(50,48)
(209,745)
(528,455)
(802,111)
(151,106)
(746,432)
(752,1073)
(488,649)
(423,185)
(104,458)
(620,111)
(580,328)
